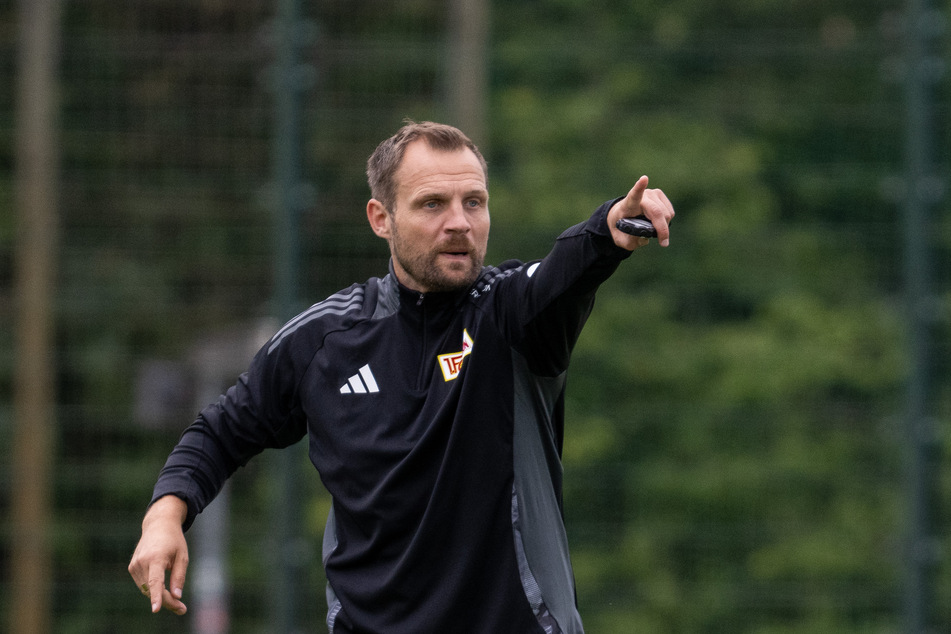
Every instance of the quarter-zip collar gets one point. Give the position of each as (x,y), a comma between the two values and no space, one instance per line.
(433,301)
(425,316)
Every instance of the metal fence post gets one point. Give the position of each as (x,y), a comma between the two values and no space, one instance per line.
(924,189)
(290,79)
(37,187)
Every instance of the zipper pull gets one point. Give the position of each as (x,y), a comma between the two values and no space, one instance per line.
(419,302)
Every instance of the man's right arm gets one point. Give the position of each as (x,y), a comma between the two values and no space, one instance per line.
(258,412)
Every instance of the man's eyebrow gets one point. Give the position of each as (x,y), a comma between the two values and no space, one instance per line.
(435,194)
(476,193)
(430,194)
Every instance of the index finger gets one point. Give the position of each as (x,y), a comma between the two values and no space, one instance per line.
(632,202)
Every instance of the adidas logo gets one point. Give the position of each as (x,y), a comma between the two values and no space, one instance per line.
(360,383)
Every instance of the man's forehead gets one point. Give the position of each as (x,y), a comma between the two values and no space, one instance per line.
(423,164)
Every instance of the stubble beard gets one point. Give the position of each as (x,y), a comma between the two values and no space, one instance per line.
(425,269)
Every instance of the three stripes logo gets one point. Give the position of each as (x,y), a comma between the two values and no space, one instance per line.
(362,382)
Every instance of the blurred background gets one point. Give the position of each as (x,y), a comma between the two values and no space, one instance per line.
(759,417)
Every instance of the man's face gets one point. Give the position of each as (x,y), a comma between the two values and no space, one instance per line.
(439,230)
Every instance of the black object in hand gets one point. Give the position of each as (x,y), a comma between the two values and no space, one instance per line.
(637,226)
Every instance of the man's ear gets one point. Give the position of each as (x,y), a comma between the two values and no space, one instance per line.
(379,218)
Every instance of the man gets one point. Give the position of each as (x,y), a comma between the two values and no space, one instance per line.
(432,399)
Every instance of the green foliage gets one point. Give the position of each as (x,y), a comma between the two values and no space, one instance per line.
(733,460)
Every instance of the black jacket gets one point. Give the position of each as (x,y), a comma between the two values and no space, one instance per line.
(436,423)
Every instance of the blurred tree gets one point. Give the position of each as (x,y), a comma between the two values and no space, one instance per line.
(733,460)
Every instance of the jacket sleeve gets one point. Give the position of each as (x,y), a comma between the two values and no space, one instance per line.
(544,305)
(260,411)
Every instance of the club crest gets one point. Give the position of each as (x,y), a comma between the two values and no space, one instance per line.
(451,363)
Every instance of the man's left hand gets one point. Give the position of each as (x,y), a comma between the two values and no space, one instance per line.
(641,201)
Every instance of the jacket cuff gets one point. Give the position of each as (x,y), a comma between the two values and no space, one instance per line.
(160,492)
(597,228)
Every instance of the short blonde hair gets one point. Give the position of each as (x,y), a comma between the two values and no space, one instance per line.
(386,159)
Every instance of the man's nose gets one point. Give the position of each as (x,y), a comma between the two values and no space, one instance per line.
(458,220)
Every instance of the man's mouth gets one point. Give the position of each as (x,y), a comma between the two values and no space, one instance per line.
(455,251)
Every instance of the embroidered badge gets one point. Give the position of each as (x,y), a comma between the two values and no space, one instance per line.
(451,363)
